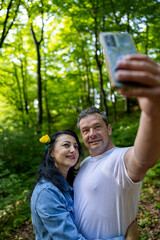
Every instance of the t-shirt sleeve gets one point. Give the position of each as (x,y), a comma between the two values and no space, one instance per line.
(119,171)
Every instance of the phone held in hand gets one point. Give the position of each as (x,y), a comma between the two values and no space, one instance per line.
(116,45)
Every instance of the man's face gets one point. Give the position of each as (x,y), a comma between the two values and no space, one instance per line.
(95,134)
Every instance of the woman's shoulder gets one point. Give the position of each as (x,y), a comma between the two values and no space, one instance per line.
(45,188)
(46,195)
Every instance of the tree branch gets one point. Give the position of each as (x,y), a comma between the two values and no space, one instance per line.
(5,30)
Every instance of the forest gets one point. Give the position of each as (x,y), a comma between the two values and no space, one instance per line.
(52,67)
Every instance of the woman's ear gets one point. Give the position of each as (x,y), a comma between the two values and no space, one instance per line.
(52,154)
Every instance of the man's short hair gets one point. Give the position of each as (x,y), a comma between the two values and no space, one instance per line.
(90,111)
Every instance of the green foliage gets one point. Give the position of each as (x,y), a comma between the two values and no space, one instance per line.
(20,154)
(10,184)
(153,175)
(148,216)
(20,150)
(13,206)
(19,213)
(124,131)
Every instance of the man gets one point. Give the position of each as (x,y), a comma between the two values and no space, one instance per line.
(108,185)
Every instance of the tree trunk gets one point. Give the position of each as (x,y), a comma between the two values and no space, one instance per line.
(39,85)
(19,97)
(103,94)
(47,108)
(24,87)
(114,105)
(99,59)
(39,78)
(88,79)
(147,31)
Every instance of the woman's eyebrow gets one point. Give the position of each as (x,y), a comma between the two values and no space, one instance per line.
(66,141)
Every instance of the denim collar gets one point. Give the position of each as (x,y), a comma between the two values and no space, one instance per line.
(65,184)
(63,181)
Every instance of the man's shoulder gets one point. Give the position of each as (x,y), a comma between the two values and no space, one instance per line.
(120,150)
(117,153)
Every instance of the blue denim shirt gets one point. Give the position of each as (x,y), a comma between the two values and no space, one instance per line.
(52,213)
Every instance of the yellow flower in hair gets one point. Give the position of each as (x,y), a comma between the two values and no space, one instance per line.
(45,139)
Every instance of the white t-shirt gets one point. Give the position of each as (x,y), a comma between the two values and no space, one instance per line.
(105,198)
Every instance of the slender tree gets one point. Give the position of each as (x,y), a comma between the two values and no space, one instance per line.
(37,43)
(11,8)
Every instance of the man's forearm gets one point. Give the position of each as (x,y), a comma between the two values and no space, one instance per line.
(147,142)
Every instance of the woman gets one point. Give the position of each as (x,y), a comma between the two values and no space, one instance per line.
(52,197)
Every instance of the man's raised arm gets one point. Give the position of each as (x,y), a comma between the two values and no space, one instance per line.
(146,150)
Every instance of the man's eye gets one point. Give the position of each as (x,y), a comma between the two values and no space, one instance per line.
(98,127)
(85,131)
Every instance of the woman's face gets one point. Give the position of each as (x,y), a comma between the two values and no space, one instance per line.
(65,153)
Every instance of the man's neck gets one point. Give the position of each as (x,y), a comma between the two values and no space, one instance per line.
(97,153)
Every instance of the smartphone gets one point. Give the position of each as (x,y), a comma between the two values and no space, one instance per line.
(116,45)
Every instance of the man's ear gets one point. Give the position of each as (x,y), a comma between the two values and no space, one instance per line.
(109,129)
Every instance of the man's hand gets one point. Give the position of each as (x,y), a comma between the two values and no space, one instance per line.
(140,69)
(132,231)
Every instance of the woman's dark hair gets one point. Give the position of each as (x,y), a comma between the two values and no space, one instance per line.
(48,170)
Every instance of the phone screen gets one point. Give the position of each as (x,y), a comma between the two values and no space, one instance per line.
(116,45)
